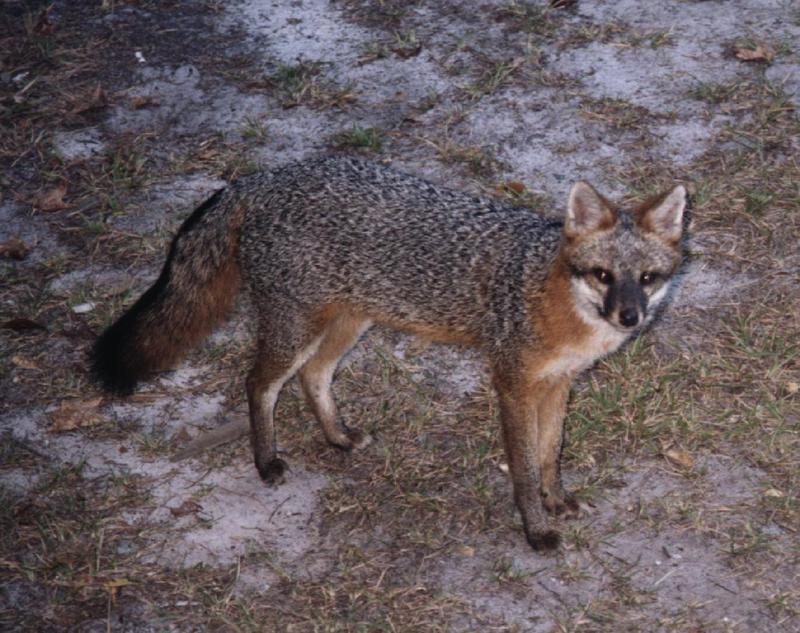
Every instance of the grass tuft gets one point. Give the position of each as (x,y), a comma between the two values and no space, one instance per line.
(369,139)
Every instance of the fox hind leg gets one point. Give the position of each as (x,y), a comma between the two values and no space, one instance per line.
(341,333)
(279,356)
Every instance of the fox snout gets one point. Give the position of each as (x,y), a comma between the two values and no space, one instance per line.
(625,303)
(629,317)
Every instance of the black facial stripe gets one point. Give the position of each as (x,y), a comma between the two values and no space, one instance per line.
(610,300)
(632,294)
(626,293)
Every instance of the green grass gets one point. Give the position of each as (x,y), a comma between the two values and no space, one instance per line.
(254,129)
(304,84)
(651,39)
(530,17)
(498,73)
(357,137)
(479,161)
(620,114)
(713,92)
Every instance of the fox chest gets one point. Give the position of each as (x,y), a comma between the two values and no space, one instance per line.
(574,356)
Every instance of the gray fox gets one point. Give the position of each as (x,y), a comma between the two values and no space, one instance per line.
(325,248)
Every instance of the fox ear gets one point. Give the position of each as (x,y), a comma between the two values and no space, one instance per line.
(587,211)
(665,216)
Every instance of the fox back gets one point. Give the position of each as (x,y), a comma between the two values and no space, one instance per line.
(410,253)
(445,264)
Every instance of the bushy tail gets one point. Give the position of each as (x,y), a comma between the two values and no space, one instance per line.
(195,291)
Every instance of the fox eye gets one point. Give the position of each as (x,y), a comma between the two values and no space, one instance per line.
(603,276)
(647,278)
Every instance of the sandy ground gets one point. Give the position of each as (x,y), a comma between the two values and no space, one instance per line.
(470,95)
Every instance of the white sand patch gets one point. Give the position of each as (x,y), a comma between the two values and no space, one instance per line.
(15,221)
(235,511)
(703,287)
(79,144)
(111,281)
(180,102)
(307,30)
(787,77)
(18,481)
(165,203)
(456,372)
(316,31)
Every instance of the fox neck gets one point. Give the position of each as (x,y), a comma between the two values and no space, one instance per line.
(554,312)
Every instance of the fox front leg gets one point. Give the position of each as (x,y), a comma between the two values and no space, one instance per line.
(551,409)
(518,413)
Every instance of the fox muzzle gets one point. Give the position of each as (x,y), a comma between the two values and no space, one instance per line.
(625,302)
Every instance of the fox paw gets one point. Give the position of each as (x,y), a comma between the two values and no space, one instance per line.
(544,541)
(353,440)
(359,439)
(273,472)
(565,506)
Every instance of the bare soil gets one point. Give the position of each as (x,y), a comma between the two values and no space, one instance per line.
(119,117)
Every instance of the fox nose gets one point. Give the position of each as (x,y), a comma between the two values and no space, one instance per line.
(629,317)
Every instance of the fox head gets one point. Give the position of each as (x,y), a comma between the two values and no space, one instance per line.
(621,261)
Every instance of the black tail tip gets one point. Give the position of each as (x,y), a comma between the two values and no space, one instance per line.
(109,368)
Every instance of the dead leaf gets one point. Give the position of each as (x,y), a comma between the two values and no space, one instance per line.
(25,363)
(182,435)
(113,587)
(22,325)
(9,564)
(95,101)
(774,493)
(52,200)
(792,388)
(515,187)
(142,101)
(187,507)
(679,458)
(466,550)
(761,53)
(407,52)
(13,248)
(43,24)
(74,414)
(117,582)
(207,154)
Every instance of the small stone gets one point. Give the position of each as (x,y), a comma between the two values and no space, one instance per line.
(83,308)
